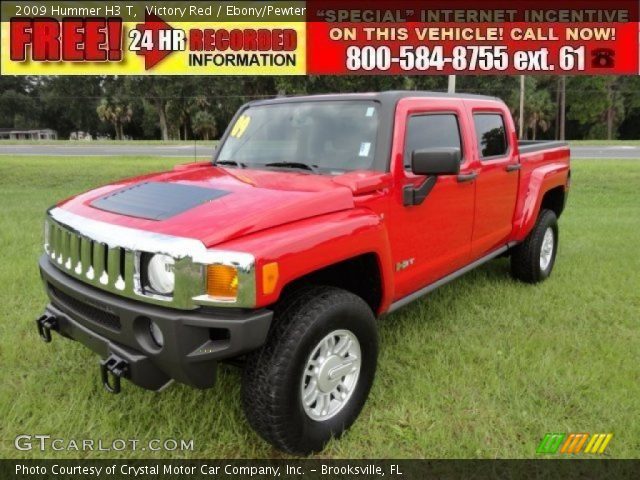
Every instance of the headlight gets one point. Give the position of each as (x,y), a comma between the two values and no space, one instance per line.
(160,274)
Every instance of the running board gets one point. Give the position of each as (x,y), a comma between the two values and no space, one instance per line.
(444,280)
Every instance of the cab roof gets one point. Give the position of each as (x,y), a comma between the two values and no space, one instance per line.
(387,97)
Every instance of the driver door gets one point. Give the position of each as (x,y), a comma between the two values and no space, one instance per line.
(432,239)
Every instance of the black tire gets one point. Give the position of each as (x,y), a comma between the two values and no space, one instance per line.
(271,385)
(525,257)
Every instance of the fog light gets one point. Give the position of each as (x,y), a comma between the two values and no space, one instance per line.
(156,333)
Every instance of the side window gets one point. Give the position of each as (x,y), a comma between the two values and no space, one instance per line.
(492,137)
(431,131)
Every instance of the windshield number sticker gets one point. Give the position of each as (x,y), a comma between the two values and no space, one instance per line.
(364,149)
(241,126)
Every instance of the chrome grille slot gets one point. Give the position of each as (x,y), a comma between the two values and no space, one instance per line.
(85,258)
(66,249)
(107,267)
(58,244)
(114,272)
(99,262)
(74,256)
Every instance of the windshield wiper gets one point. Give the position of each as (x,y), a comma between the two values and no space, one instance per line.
(299,165)
(231,162)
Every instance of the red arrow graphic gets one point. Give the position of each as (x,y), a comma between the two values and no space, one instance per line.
(154,24)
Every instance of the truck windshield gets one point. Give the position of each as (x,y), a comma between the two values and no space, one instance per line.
(320,136)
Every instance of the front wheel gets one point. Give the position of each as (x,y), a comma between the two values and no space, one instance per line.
(310,380)
(533,259)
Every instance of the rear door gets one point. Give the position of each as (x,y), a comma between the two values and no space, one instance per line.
(497,179)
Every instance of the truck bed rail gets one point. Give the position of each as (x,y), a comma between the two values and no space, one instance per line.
(530,146)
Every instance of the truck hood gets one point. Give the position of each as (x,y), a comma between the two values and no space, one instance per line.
(217,204)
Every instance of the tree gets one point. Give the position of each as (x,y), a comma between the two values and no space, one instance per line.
(503,86)
(69,103)
(18,84)
(629,88)
(615,107)
(158,92)
(595,105)
(204,124)
(538,107)
(539,112)
(17,110)
(115,113)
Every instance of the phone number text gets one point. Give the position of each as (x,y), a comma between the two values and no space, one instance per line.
(463,58)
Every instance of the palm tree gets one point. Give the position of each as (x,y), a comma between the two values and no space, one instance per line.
(118,114)
(538,108)
(204,124)
(539,112)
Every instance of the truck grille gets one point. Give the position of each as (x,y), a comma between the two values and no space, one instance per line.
(88,312)
(110,257)
(95,263)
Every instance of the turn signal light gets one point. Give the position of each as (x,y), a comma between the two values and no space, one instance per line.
(269,278)
(222,282)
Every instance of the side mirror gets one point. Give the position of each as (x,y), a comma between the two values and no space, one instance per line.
(436,161)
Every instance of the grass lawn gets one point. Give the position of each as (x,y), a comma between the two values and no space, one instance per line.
(483,367)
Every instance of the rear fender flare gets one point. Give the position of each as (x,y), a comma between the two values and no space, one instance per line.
(541,180)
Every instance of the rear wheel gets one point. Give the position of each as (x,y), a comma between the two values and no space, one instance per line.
(532,261)
(310,380)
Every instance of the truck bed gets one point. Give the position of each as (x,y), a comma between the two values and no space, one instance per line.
(531,146)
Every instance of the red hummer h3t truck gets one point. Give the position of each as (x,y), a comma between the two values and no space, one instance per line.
(316,215)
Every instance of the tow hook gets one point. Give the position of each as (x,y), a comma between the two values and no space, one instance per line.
(45,324)
(112,369)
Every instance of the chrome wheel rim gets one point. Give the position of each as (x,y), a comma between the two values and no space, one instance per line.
(330,375)
(546,251)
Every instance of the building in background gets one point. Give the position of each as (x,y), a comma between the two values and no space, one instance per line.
(15,134)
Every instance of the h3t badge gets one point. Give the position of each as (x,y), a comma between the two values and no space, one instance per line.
(404,264)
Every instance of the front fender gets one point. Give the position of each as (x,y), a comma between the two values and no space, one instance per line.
(541,180)
(309,245)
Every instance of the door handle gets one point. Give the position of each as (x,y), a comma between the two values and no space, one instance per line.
(467,177)
(513,167)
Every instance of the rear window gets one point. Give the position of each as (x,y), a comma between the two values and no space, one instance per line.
(492,138)
(431,131)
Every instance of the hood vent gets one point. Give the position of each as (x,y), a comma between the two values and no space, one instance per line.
(156,200)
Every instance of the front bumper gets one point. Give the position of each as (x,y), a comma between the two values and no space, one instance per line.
(194,341)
